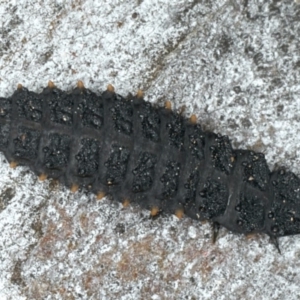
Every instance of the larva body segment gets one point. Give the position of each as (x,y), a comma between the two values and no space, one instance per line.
(136,152)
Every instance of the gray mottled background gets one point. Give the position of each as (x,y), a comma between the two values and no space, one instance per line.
(235,64)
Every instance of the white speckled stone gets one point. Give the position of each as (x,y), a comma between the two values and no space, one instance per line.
(236,67)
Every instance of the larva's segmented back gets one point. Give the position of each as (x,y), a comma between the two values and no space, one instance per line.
(136,152)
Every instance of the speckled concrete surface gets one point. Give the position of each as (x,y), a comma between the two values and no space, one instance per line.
(235,64)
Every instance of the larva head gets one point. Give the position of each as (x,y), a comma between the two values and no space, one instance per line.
(283,216)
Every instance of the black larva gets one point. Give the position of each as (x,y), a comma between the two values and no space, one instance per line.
(135,152)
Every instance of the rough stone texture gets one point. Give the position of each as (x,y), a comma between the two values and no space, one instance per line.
(235,64)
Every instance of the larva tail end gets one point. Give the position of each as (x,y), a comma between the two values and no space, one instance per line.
(216,227)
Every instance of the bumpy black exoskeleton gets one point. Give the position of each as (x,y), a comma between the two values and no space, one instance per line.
(132,150)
